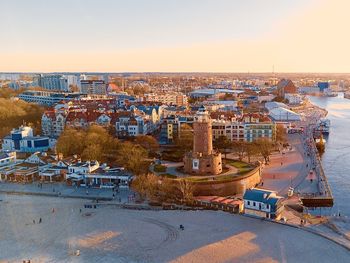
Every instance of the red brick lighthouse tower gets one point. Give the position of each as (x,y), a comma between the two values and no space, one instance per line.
(203,160)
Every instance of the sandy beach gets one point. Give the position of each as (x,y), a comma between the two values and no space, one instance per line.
(108,234)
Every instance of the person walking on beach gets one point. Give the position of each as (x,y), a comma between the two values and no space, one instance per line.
(40,220)
(33,221)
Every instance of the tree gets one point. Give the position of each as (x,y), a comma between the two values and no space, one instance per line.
(146,185)
(132,157)
(251,150)
(7,93)
(93,144)
(281,134)
(92,152)
(168,191)
(265,147)
(186,190)
(239,148)
(14,112)
(184,141)
(149,143)
(222,143)
(70,142)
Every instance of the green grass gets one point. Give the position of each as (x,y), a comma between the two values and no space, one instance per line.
(171,176)
(158,168)
(218,178)
(242,167)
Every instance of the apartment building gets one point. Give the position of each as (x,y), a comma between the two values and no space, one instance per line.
(98,87)
(173,98)
(248,128)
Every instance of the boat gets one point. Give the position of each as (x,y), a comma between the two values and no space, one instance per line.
(330,94)
(323,126)
(320,144)
(320,140)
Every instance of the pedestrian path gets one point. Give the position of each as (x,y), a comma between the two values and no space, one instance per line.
(62,190)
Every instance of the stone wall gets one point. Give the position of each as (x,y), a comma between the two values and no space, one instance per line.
(237,185)
(208,165)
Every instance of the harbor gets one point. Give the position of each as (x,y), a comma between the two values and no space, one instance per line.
(297,173)
(337,151)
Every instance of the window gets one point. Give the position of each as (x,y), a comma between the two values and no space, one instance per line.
(248,202)
(253,203)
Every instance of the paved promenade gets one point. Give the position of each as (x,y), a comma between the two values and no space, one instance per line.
(290,168)
(64,191)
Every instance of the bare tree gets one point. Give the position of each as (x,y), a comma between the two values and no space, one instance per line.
(186,189)
(239,148)
(251,150)
(146,185)
(281,134)
(265,147)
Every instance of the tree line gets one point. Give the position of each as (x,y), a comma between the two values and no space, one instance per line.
(14,112)
(260,147)
(96,143)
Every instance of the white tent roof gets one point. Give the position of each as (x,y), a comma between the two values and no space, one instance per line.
(282,114)
(273,104)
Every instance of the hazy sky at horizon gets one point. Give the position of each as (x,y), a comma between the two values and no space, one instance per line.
(175,35)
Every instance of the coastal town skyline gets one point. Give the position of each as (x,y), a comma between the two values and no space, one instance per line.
(174,131)
(210,36)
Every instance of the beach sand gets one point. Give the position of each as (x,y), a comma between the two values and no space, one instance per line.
(108,234)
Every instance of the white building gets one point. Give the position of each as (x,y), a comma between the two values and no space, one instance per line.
(282,114)
(83,168)
(98,87)
(249,128)
(294,99)
(173,98)
(7,158)
(263,203)
(22,140)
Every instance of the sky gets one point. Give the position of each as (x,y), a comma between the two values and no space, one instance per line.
(175,35)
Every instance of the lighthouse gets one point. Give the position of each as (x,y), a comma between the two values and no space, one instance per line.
(203,160)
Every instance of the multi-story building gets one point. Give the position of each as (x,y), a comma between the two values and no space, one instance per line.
(84,113)
(22,140)
(53,82)
(169,130)
(247,128)
(47,98)
(73,80)
(53,123)
(98,87)
(174,98)
(285,86)
(132,124)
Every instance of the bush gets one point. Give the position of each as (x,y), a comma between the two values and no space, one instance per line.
(173,156)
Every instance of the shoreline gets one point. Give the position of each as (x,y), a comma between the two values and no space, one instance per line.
(109,234)
(146,207)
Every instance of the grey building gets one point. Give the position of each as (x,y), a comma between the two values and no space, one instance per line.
(93,87)
(53,82)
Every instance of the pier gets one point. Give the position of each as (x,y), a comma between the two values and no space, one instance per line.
(324,196)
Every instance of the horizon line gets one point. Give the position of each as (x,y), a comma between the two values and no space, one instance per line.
(169,72)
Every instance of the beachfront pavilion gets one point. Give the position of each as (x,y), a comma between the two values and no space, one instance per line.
(24,175)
